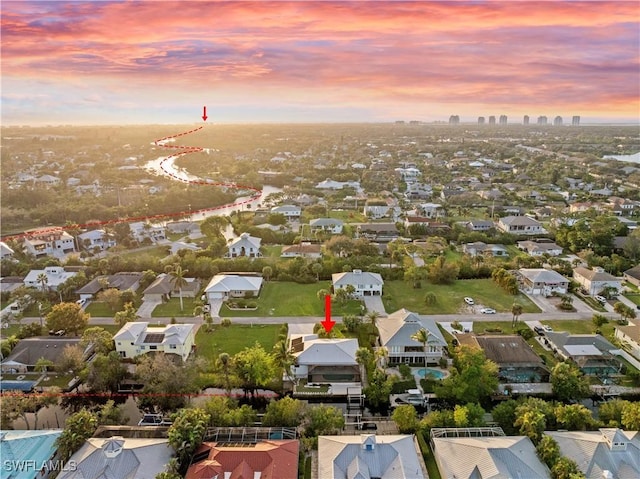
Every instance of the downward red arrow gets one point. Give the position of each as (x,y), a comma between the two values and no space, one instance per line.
(204,114)
(327,323)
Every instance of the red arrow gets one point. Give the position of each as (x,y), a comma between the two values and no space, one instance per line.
(327,323)
(204,114)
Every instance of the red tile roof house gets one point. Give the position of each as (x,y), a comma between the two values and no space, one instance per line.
(270,459)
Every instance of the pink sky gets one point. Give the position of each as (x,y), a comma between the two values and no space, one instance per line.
(161,61)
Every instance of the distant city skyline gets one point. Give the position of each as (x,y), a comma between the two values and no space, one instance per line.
(113,62)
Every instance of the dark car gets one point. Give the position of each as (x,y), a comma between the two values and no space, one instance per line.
(539,330)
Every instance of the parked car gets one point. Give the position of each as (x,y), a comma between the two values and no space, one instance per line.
(469,301)
(81,302)
(368,426)
(60,332)
(548,329)
(539,330)
(153,420)
(600,299)
(488,311)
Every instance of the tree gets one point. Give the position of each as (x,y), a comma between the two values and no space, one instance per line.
(406,418)
(574,417)
(71,359)
(317,268)
(631,416)
(364,357)
(106,372)
(112,297)
(610,412)
(267,271)
(599,320)
(430,298)
(441,272)
(565,468)
(43,280)
(323,420)
(255,367)
(43,364)
(379,389)
(101,339)
(126,315)
(285,412)
(422,336)
(531,423)
(178,281)
(473,378)
(224,363)
(620,308)
(217,408)
(568,382)
(322,293)
(283,356)
(67,316)
(187,433)
(13,407)
(78,428)
(548,450)
(505,415)
(516,311)
(111,414)
(373,317)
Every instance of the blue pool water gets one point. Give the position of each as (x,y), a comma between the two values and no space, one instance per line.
(436,373)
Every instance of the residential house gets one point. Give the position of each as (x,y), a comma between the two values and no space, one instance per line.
(136,338)
(120,281)
(141,230)
(119,458)
(9,284)
(363,282)
(370,456)
(163,288)
(630,336)
(185,227)
(181,245)
(383,232)
(290,212)
(331,225)
(263,459)
(520,225)
(325,361)
(5,251)
(408,175)
(479,248)
(29,454)
(418,191)
(592,353)
(302,250)
(396,331)
(607,453)
(50,242)
(338,185)
(474,453)
(596,279)
(431,210)
(99,239)
(632,275)
(47,180)
(540,248)
(245,245)
(26,353)
(232,285)
(539,281)
(377,209)
(516,360)
(480,225)
(55,276)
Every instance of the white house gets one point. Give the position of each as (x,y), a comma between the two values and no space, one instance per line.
(225,286)
(96,239)
(5,251)
(377,209)
(291,212)
(365,283)
(331,225)
(539,248)
(302,250)
(542,281)
(337,185)
(322,360)
(520,225)
(431,210)
(630,335)
(479,248)
(395,335)
(54,242)
(245,245)
(55,276)
(141,230)
(137,337)
(596,279)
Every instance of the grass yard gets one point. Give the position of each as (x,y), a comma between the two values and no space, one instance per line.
(634,298)
(234,339)
(581,326)
(450,298)
(293,299)
(272,251)
(348,216)
(10,331)
(172,309)
(99,309)
(157,252)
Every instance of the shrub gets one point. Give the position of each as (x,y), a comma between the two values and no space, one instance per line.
(405,371)
(443,363)
(225,322)
(526,333)
(456,325)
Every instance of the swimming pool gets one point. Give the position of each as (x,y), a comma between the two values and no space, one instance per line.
(436,373)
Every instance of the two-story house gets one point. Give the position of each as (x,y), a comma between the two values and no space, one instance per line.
(290,212)
(596,279)
(137,337)
(331,225)
(245,245)
(96,239)
(52,242)
(364,283)
(520,225)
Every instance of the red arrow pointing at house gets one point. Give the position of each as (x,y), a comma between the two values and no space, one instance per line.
(204,114)
(327,323)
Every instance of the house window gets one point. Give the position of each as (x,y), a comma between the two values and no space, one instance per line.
(153,347)
(172,346)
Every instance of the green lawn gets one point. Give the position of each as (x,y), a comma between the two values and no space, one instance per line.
(235,338)
(581,326)
(61,381)
(272,251)
(172,309)
(293,299)
(400,294)
(635,298)
(99,309)
(157,252)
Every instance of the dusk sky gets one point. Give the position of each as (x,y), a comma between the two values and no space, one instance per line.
(161,61)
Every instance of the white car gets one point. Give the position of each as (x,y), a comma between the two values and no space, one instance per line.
(81,302)
(600,299)
(548,329)
(469,301)
(488,311)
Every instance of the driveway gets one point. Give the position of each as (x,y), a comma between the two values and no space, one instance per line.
(214,307)
(146,308)
(374,303)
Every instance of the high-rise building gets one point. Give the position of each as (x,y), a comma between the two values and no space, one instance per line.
(492,120)
(503,119)
(481,120)
(542,120)
(575,121)
(454,120)
(525,120)
(557,121)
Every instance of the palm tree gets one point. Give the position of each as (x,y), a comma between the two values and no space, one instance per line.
(516,310)
(373,316)
(224,363)
(178,281)
(422,336)
(284,356)
(43,280)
